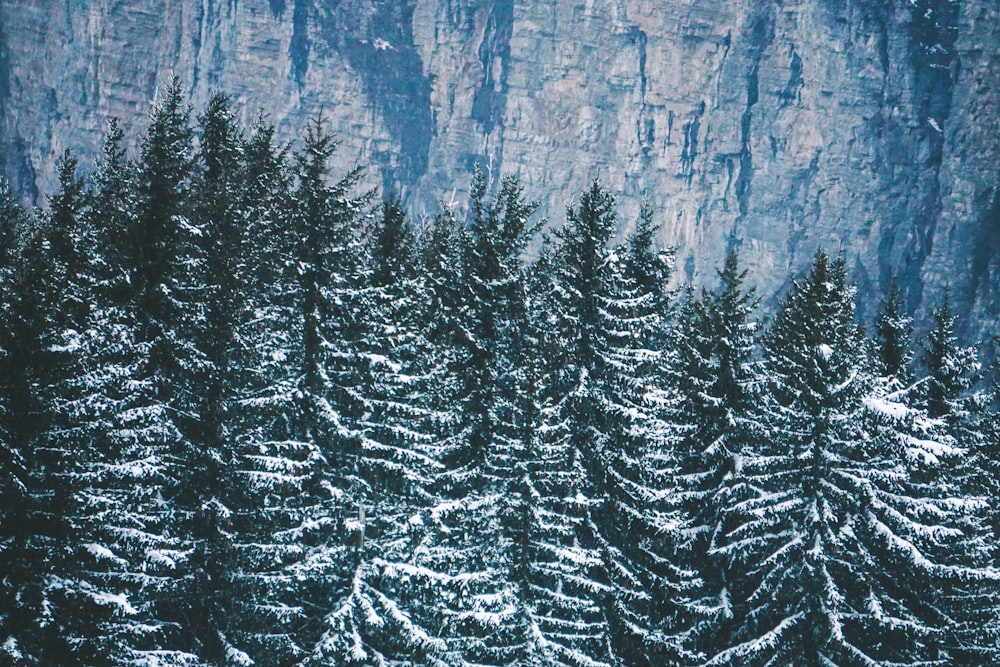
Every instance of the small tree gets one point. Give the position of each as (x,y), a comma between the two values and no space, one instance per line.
(951,368)
(893,330)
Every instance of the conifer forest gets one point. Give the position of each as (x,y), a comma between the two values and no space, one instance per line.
(251,414)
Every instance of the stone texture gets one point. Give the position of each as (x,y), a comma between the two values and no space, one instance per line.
(776,125)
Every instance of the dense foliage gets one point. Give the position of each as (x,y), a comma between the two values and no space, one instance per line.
(250,416)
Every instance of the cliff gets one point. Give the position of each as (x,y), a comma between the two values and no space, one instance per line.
(871,126)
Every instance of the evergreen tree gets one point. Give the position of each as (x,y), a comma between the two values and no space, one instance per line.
(951,369)
(494,351)
(609,540)
(986,467)
(838,516)
(476,299)
(214,312)
(170,294)
(938,470)
(947,395)
(719,387)
(22,556)
(300,461)
(571,593)
(282,505)
(893,329)
(640,521)
(127,555)
(164,172)
(42,317)
(65,290)
(391,615)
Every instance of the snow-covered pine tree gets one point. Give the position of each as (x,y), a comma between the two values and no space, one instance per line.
(987,472)
(443,250)
(940,509)
(893,336)
(643,529)
(47,306)
(282,502)
(161,233)
(719,381)
(947,394)
(64,291)
(598,598)
(476,296)
(951,368)
(170,291)
(838,517)
(31,524)
(125,556)
(535,524)
(212,311)
(300,461)
(495,402)
(393,594)
(571,594)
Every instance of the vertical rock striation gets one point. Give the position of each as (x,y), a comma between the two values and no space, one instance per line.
(775,125)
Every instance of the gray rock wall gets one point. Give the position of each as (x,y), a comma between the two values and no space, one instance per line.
(867,125)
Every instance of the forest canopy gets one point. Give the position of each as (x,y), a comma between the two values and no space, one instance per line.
(251,415)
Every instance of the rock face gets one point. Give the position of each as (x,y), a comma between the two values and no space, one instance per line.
(777,125)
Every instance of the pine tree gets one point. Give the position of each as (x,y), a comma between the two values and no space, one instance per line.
(64,291)
(475,291)
(280,478)
(948,395)
(986,467)
(126,555)
(391,614)
(22,556)
(42,318)
(300,460)
(572,586)
(893,329)
(718,379)
(839,515)
(611,585)
(172,298)
(951,368)
(641,523)
(154,243)
(494,349)
(212,311)
(937,470)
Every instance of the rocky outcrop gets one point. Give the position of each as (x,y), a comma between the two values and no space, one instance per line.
(776,125)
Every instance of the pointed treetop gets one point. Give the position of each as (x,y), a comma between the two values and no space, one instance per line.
(951,368)
(220,139)
(893,331)
(394,244)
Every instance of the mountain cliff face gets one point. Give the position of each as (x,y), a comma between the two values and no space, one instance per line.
(775,125)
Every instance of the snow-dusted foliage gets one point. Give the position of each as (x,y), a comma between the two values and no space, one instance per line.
(618,540)
(389,615)
(124,557)
(842,542)
(248,418)
(716,413)
(297,458)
